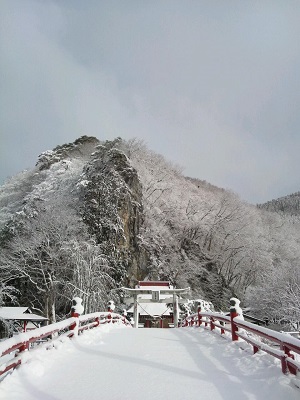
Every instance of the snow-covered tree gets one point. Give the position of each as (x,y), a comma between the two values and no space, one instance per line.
(93,216)
(91,273)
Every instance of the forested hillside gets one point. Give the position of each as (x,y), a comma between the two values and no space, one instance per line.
(287,205)
(92,216)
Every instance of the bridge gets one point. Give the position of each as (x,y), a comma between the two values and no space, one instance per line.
(100,356)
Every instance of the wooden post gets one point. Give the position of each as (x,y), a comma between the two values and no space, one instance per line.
(212,325)
(25,346)
(110,308)
(199,316)
(233,314)
(175,310)
(284,366)
(74,327)
(135,312)
(124,315)
(76,311)
(222,331)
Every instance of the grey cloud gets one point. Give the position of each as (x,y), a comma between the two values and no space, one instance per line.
(213,86)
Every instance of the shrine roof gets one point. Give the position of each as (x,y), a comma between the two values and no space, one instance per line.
(20,314)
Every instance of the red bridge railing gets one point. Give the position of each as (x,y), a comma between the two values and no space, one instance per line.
(279,345)
(16,345)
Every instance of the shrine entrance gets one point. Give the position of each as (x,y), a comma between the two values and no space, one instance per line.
(155,304)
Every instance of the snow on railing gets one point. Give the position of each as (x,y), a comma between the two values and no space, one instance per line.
(279,345)
(16,345)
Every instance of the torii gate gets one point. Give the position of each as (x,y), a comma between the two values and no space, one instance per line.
(156,289)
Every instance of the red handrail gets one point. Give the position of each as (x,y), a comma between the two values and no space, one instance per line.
(245,330)
(68,327)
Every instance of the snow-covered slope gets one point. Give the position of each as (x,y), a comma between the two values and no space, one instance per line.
(150,364)
(94,216)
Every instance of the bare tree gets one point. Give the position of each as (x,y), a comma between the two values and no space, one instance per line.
(91,276)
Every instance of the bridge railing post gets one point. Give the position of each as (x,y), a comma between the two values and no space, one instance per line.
(222,330)
(110,308)
(233,314)
(97,320)
(284,366)
(76,310)
(199,316)
(124,316)
(212,325)
(24,347)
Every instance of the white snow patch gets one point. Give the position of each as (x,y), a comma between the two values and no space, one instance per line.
(113,362)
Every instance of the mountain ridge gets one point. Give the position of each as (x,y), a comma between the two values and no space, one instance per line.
(93,216)
(289,204)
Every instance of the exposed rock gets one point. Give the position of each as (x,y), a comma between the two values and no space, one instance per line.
(82,147)
(112,206)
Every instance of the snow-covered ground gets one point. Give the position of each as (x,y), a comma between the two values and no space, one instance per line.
(118,363)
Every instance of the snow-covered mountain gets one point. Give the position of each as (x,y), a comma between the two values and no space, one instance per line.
(94,215)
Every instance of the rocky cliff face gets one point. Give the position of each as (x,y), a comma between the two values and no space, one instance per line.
(80,148)
(111,195)
(112,208)
(75,227)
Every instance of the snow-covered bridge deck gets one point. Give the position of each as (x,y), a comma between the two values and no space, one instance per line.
(119,363)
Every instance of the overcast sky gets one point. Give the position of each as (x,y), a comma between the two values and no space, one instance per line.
(212,85)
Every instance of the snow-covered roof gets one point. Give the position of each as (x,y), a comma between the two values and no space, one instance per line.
(147,287)
(152,309)
(154,283)
(20,314)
